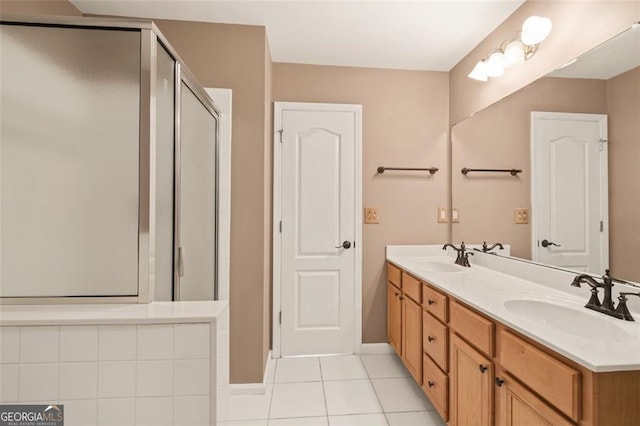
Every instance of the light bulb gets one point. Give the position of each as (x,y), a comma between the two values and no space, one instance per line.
(495,64)
(535,29)
(479,72)
(513,54)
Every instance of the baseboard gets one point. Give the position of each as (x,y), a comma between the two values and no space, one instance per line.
(255,388)
(377,349)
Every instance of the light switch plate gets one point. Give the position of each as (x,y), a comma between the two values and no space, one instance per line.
(371,215)
(521,216)
(442,215)
(455,215)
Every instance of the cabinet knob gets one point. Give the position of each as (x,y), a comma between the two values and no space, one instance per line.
(430,384)
(499,382)
(482,368)
(431,301)
(431,338)
(401,297)
(397,294)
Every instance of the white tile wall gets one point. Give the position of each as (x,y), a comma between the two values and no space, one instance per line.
(10,345)
(78,380)
(39,344)
(117,342)
(155,342)
(154,378)
(9,381)
(117,379)
(78,343)
(118,375)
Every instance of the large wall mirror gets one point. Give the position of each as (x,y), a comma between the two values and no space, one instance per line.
(575,136)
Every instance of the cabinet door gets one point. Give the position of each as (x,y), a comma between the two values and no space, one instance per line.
(394,318)
(471,381)
(412,337)
(519,406)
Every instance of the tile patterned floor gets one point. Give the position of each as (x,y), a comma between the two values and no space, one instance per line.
(349,390)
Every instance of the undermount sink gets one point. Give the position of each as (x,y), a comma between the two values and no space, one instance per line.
(570,320)
(433,266)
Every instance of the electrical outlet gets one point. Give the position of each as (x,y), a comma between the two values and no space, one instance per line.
(521,215)
(455,215)
(442,215)
(371,215)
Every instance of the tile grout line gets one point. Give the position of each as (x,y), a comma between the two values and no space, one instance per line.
(324,392)
(386,419)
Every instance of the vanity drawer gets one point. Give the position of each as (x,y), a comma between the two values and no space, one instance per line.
(473,327)
(435,385)
(553,380)
(435,339)
(435,303)
(411,287)
(394,275)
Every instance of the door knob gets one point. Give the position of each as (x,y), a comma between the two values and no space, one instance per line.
(547,243)
(345,245)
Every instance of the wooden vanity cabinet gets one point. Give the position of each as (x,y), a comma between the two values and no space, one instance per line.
(404,319)
(477,371)
(519,406)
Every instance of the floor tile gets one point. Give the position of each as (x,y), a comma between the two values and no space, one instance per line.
(384,366)
(345,367)
(358,420)
(351,397)
(401,395)
(297,400)
(299,421)
(249,407)
(291,370)
(263,422)
(415,418)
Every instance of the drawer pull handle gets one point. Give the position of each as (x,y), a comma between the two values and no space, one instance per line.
(431,301)
(430,384)
(431,338)
(482,368)
(499,382)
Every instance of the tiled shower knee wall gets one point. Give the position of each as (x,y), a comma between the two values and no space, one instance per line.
(145,374)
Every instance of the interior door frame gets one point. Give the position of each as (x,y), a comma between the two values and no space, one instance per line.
(602,119)
(278,109)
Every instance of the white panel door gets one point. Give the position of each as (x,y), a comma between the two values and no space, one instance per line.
(318,199)
(570,190)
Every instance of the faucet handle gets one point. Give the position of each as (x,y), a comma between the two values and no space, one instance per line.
(622,308)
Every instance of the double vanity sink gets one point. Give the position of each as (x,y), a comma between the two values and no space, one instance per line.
(522,331)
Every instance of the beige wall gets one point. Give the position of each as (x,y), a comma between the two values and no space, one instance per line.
(499,137)
(235,57)
(623,105)
(577,27)
(43,7)
(405,120)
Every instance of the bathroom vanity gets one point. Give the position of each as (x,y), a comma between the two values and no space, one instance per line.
(492,344)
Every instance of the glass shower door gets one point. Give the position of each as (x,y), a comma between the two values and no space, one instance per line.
(197,199)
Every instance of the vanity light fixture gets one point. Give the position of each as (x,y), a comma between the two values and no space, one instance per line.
(513,52)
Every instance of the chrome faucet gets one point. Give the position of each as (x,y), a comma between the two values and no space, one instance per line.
(607,306)
(463,256)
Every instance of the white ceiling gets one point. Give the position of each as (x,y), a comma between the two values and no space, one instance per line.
(612,58)
(418,35)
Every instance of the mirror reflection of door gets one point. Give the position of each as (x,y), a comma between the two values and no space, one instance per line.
(569,188)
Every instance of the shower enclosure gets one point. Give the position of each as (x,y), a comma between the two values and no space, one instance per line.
(108,174)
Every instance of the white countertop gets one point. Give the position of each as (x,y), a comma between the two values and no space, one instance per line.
(487,290)
(151,313)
